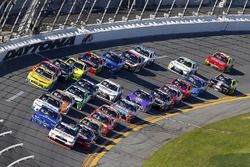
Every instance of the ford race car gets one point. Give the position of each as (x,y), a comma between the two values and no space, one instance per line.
(220,61)
(93,62)
(142,98)
(111,112)
(86,137)
(162,100)
(223,83)
(147,54)
(133,61)
(64,134)
(66,69)
(109,90)
(173,91)
(49,66)
(92,124)
(112,61)
(183,66)
(80,95)
(184,86)
(88,85)
(67,100)
(46,117)
(42,78)
(48,101)
(199,85)
(79,67)
(126,108)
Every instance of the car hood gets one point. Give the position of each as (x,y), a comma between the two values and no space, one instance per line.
(181,66)
(46,118)
(138,100)
(107,90)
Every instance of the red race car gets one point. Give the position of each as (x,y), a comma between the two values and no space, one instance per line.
(174,91)
(111,112)
(48,65)
(93,61)
(220,61)
(184,86)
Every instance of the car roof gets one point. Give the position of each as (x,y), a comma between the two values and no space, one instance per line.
(114,83)
(187,59)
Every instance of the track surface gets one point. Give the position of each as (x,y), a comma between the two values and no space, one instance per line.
(17,96)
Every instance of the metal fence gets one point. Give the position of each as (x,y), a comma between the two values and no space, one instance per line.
(26,17)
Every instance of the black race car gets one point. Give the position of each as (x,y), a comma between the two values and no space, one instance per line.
(88,85)
(66,70)
(162,100)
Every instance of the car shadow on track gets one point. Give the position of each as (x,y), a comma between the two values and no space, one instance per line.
(114,135)
(208,96)
(138,121)
(156,67)
(74,113)
(238,93)
(235,72)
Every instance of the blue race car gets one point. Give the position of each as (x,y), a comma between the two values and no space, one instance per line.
(199,85)
(46,117)
(112,61)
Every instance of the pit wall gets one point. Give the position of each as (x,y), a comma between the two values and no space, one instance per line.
(56,39)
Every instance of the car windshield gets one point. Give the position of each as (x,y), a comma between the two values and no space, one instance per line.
(185,62)
(221,57)
(224,79)
(49,113)
(50,100)
(101,118)
(79,65)
(143,95)
(66,129)
(108,111)
(87,85)
(48,66)
(76,91)
(61,96)
(141,51)
(86,132)
(131,58)
(180,84)
(112,57)
(44,73)
(90,124)
(109,85)
(127,105)
(194,82)
(167,89)
(91,60)
(71,61)
(160,95)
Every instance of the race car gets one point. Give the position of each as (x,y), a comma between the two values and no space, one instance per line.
(42,78)
(199,85)
(86,136)
(223,83)
(79,67)
(174,91)
(80,95)
(183,85)
(93,61)
(67,100)
(220,61)
(46,117)
(109,91)
(133,61)
(111,112)
(142,98)
(49,66)
(92,124)
(64,134)
(147,54)
(106,122)
(48,101)
(162,100)
(66,69)
(112,61)
(126,108)
(88,85)
(183,66)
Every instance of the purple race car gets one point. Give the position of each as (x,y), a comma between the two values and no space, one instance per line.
(142,98)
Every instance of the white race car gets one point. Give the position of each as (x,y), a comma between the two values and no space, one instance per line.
(183,66)
(64,133)
(109,90)
(147,54)
(49,101)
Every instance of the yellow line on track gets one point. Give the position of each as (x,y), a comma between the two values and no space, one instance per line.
(93,159)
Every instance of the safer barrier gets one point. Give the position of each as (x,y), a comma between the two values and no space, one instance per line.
(121,30)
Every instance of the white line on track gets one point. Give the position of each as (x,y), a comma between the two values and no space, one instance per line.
(162,57)
(1,120)
(15,96)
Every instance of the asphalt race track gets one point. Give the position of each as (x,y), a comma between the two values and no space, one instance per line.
(17,96)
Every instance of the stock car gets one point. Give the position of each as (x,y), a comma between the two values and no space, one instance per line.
(86,136)
(220,61)
(49,66)
(64,134)
(163,100)
(66,69)
(142,98)
(183,85)
(112,61)
(126,108)
(133,61)
(48,101)
(109,90)
(46,117)
(199,85)
(111,112)
(173,91)
(88,85)
(92,124)
(79,67)
(183,66)
(147,54)
(42,78)
(223,83)
(67,100)
(80,95)
(93,61)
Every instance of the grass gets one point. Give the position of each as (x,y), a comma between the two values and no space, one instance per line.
(222,144)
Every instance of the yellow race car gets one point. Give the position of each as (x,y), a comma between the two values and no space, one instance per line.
(80,68)
(42,78)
